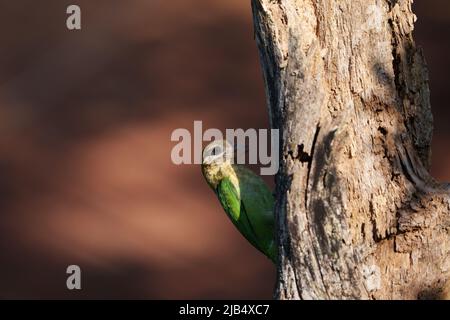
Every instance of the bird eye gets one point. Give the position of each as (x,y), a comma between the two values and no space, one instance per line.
(216,151)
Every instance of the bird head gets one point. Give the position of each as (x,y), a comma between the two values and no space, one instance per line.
(218,152)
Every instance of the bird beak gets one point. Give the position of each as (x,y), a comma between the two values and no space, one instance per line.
(207,160)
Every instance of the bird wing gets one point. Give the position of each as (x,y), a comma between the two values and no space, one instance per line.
(230,201)
(259,205)
(257,198)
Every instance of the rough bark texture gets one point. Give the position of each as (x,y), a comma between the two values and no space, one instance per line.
(359,216)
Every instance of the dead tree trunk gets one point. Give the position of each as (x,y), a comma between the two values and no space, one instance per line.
(359,216)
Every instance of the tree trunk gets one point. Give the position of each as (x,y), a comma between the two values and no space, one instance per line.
(359,216)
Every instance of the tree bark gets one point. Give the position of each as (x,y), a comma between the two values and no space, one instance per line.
(359,216)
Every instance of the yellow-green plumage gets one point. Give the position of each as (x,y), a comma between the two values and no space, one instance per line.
(245,198)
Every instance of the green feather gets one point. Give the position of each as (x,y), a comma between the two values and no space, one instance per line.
(245,197)
(235,210)
(250,207)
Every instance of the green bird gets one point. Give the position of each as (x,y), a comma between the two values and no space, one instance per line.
(244,196)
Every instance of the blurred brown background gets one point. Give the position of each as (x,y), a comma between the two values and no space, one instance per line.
(85,124)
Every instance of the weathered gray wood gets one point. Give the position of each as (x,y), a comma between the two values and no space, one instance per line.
(359,216)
